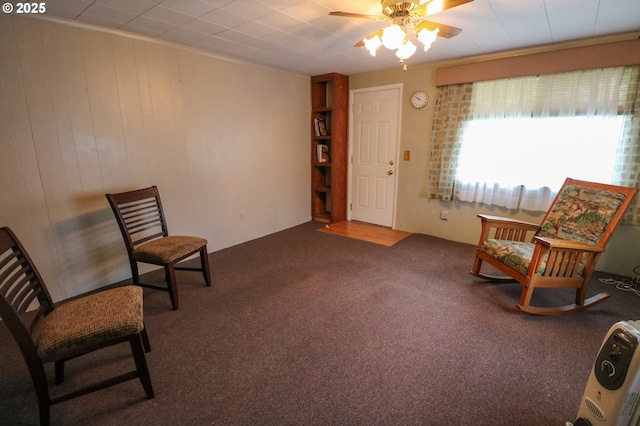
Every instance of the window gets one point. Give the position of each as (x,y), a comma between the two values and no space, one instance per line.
(512,142)
(535,153)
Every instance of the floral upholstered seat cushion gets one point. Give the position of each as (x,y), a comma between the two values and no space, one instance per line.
(581,214)
(515,254)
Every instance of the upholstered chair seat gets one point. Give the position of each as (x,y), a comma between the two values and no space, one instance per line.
(165,250)
(109,314)
(516,254)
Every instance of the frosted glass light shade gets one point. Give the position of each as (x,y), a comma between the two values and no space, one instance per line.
(372,44)
(393,37)
(406,50)
(427,37)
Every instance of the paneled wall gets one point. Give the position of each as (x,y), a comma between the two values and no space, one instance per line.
(85,112)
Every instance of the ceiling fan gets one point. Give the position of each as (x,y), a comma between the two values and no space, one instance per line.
(405,18)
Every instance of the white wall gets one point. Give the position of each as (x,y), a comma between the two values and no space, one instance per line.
(85,112)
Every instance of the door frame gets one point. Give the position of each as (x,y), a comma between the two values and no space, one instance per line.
(352,93)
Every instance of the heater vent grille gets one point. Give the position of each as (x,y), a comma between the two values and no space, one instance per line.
(594,409)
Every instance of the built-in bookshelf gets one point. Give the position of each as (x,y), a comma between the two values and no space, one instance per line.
(329,147)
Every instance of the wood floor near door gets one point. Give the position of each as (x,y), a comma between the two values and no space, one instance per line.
(366,232)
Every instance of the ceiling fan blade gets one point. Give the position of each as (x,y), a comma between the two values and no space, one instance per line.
(375,33)
(445,30)
(357,15)
(435,6)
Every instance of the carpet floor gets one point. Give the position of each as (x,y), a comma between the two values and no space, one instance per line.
(307,328)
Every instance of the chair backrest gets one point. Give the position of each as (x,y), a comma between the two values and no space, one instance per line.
(586,212)
(139,214)
(21,288)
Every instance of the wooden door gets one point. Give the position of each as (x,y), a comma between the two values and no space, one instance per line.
(374,149)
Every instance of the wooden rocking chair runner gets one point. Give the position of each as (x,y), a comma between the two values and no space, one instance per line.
(141,220)
(561,252)
(49,333)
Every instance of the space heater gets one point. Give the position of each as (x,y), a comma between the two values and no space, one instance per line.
(612,394)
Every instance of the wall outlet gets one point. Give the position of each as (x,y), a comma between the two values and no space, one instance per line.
(243,216)
(444,214)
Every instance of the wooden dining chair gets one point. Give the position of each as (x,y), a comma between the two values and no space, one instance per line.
(48,333)
(562,252)
(144,228)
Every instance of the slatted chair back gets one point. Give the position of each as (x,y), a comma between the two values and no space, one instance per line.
(140,216)
(21,290)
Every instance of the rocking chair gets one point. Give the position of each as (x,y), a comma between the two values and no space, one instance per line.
(562,251)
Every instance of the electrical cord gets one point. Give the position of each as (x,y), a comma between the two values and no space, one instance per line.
(626,284)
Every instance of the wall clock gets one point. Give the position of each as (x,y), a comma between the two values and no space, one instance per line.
(419,99)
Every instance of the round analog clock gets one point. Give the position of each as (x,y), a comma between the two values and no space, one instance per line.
(419,99)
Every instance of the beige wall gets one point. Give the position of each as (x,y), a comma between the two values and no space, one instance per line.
(84,112)
(417,213)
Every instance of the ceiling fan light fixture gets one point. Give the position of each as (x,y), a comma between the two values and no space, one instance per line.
(372,44)
(406,22)
(428,37)
(393,36)
(406,50)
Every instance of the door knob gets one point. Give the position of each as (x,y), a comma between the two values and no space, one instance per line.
(390,172)
(391,163)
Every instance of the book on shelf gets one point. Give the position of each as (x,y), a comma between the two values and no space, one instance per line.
(320,127)
(322,153)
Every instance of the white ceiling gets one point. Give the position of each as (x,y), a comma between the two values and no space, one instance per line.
(300,36)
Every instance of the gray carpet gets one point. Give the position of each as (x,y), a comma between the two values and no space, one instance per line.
(307,328)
